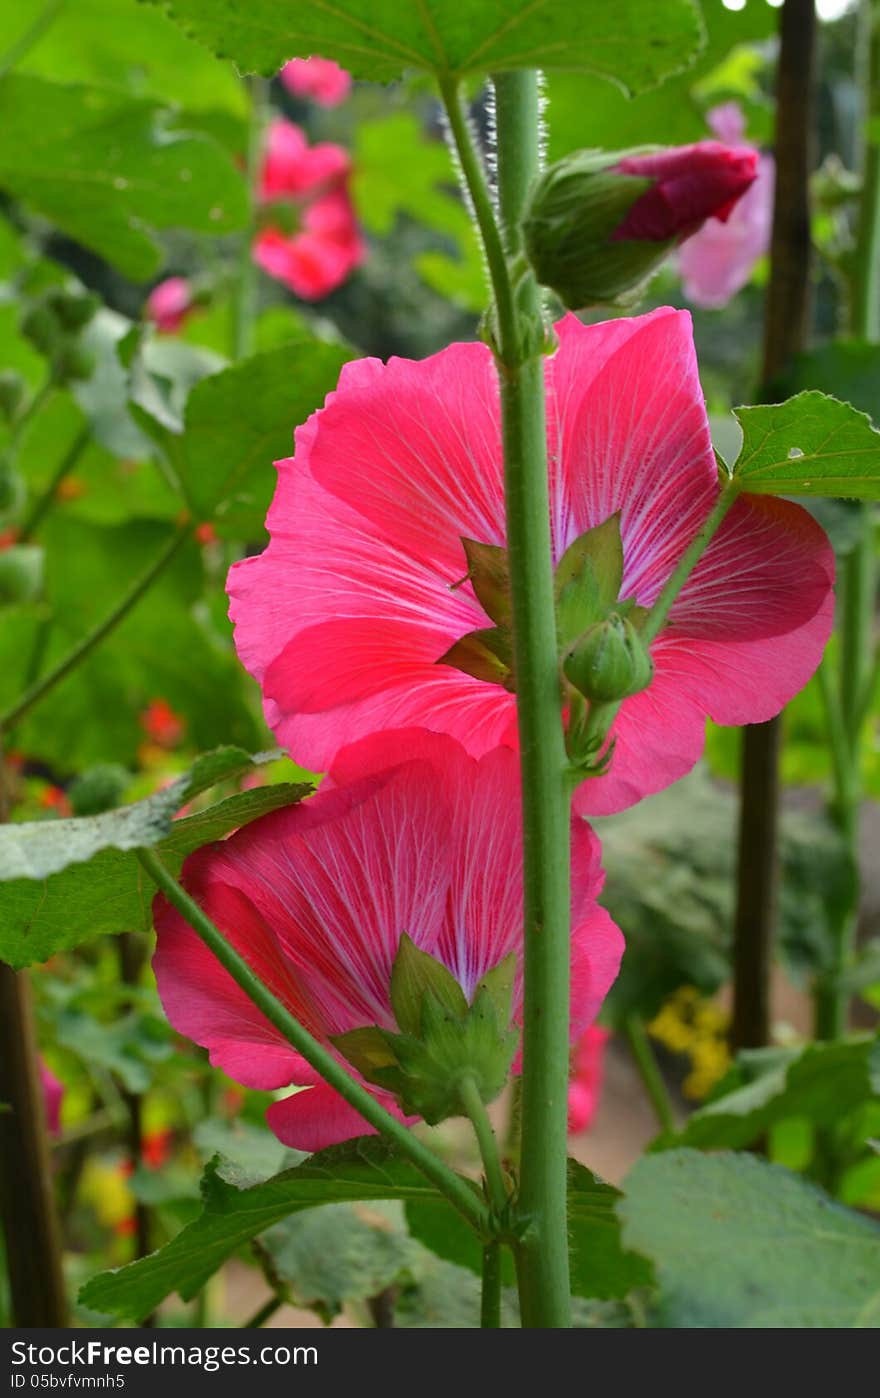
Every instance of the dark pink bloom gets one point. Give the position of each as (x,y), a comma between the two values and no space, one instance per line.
(319,78)
(326,245)
(717,261)
(345,615)
(169,304)
(691,184)
(585,1083)
(409,834)
(53,1096)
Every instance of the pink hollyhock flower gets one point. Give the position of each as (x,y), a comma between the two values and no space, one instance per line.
(326,246)
(170,304)
(319,78)
(691,184)
(409,834)
(53,1096)
(717,261)
(585,1084)
(345,615)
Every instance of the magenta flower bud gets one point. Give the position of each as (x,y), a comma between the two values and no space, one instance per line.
(170,304)
(600,223)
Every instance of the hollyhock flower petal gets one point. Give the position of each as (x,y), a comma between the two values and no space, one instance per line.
(318,78)
(691,184)
(408,834)
(292,168)
(361,590)
(585,1087)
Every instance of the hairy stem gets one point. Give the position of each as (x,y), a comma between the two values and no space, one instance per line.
(475,1110)
(456,1190)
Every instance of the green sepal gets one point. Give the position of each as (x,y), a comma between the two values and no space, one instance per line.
(486,654)
(498,985)
(588,579)
(489,575)
(415,975)
(366,1049)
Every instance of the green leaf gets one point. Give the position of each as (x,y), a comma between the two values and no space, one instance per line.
(338,1254)
(737,1243)
(600,1266)
(111,893)
(634,42)
(122,44)
(809,445)
(241,420)
(362,1170)
(251,1154)
(823,1083)
(105,168)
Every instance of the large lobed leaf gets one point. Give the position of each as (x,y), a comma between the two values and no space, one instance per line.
(809,445)
(362,1170)
(106,168)
(51,899)
(738,1243)
(241,420)
(635,42)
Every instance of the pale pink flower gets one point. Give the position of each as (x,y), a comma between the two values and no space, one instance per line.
(344,617)
(409,834)
(587,1073)
(719,259)
(170,304)
(53,1096)
(326,245)
(318,78)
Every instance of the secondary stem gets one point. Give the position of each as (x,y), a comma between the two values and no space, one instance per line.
(490,1295)
(44,502)
(245,305)
(456,1190)
(542,1256)
(659,613)
(27,1206)
(649,1072)
(84,648)
(475,1109)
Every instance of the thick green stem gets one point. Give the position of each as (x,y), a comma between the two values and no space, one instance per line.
(44,502)
(245,303)
(457,1191)
(264,1313)
(490,1294)
(542,1256)
(84,648)
(649,1072)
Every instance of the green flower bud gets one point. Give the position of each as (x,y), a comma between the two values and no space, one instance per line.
(74,309)
(572,217)
(609,661)
(21,574)
(71,362)
(12,494)
(42,327)
(99,789)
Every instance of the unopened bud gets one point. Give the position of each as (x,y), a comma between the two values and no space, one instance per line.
(600,223)
(12,391)
(609,661)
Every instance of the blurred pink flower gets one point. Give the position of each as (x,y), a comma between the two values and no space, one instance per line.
(169,304)
(718,260)
(326,246)
(585,1083)
(319,78)
(344,617)
(409,834)
(53,1096)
